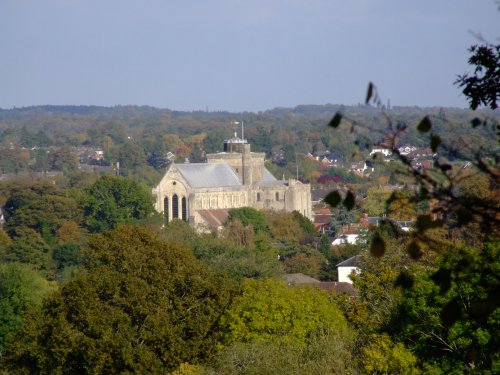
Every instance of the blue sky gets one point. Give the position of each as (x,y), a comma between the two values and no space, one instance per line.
(237,55)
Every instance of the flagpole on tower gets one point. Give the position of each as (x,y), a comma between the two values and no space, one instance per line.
(242,128)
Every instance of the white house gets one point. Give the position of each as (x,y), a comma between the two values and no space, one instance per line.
(346,239)
(2,218)
(405,150)
(345,268)
(383,151)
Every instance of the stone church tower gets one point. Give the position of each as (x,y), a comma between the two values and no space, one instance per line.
(203,193)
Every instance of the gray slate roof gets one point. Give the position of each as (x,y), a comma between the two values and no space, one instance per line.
(268,176)
(200,175)
(268,180)
(351,262)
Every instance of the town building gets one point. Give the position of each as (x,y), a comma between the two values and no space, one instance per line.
(203,193)
(346,268)
(381,150)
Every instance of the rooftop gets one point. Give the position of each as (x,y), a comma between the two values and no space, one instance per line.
(200,175)
(351,262)
(214,218)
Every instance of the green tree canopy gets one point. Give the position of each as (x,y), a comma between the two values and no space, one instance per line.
(376,201)
(250,216)
(223,254)
(238,262)
(20,288)
(64,159)
(382,356)
(131,155)
(454,325)
(270,310)
(342,216)
(41,207)
(140,306)
(322,354)
(29,247)
(307,226)
(113,200)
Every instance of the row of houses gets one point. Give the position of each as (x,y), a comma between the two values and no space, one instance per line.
(420,158)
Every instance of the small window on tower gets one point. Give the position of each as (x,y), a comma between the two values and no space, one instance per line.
(277,196)
(258,197)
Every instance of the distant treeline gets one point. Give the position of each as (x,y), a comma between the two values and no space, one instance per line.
(151,132)
(119,111)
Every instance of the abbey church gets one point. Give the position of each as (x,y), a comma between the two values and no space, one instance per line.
(203,193)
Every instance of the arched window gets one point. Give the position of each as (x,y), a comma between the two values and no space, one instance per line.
(258,197)
(184,209)
(175,206)
(277,196)
(165,210)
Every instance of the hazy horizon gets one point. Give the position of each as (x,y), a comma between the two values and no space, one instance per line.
(239,55)
(466,107)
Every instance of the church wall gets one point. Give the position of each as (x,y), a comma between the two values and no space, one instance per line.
(268,197)
(173,190)
(257,166)
(299,198)
(292,197)
(173,183)
(219,198)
